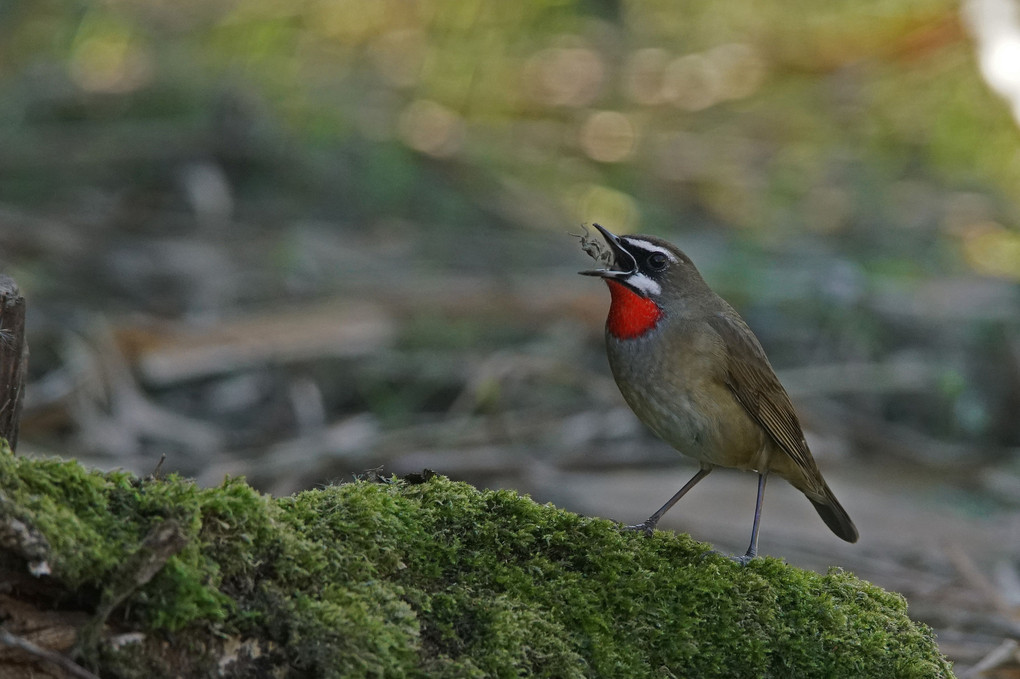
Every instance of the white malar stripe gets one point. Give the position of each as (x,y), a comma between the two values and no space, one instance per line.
(648,247)
(645,284)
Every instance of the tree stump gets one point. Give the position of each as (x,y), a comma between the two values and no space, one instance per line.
(13,358)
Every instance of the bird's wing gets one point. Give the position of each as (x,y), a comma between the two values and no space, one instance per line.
(756,387)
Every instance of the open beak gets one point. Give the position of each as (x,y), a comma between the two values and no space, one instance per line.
(623,264)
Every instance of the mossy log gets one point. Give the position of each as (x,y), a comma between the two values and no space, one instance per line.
(423,577)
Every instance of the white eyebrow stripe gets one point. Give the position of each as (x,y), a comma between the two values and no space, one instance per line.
(648,247)
(644,284)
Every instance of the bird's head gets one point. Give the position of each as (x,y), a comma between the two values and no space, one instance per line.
(647,277)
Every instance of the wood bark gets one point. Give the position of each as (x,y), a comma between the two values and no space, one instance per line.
(13,358)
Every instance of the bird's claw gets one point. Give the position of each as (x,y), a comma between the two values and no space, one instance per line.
(644,527)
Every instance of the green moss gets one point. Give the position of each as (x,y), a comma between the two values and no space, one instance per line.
(438,579)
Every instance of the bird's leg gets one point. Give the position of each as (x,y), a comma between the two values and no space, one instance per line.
(648,525)
(752,549)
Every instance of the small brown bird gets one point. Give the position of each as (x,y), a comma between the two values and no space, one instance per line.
(691,369)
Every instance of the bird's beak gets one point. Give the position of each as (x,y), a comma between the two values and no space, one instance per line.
(623,263)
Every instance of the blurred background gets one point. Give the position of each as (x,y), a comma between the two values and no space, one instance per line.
(299,241)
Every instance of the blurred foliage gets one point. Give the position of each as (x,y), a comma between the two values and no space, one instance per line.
(778,118)
(854,142)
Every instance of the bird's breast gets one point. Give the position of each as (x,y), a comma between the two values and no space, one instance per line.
(677,391)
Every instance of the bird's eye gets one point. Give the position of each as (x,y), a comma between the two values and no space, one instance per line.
(658,261)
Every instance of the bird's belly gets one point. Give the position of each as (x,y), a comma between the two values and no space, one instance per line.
(704,422)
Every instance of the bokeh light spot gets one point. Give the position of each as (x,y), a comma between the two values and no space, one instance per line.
(107,57)
(608,136)
(431,128)
(692,82)
(596,203)
(996,27)
(740,69)
(564,76)
(992,250)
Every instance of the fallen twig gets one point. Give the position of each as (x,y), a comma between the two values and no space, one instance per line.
(163,541)
(52,657)
(1000,655)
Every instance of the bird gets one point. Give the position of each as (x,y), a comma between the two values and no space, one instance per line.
(696,375)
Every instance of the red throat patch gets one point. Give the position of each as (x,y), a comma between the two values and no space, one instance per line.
(630,314)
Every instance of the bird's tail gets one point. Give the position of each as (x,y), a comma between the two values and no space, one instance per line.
(833,514)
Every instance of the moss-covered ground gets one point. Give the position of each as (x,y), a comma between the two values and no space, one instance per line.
(432,578)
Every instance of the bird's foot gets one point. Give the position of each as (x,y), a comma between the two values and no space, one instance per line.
(647,527)
(743,560)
